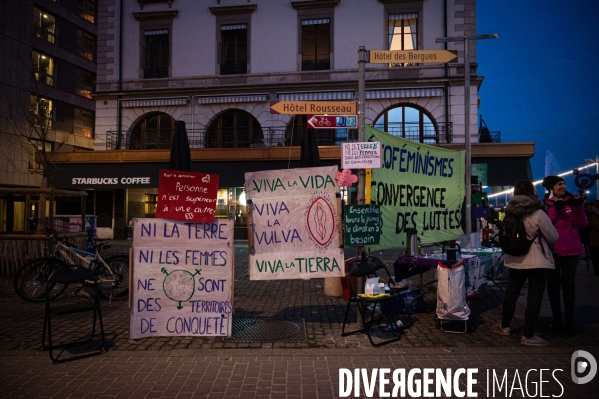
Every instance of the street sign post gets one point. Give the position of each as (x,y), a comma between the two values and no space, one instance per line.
(412,56)
(332,121)
(313,107)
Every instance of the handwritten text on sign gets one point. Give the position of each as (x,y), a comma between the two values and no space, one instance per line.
(295,230)
(187,196)
(361,155)
(362,225)
(182,278)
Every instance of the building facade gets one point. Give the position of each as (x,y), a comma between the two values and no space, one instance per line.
(47,76)
(219,65)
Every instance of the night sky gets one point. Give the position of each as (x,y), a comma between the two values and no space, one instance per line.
(541,79)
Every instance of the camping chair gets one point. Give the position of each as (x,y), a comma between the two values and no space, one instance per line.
(68,275)
(373,309)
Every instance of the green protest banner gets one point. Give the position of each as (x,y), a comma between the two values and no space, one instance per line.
(418,186)
(362,225)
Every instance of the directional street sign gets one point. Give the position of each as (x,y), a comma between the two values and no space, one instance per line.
(313,107)
(412,56)
(332,121)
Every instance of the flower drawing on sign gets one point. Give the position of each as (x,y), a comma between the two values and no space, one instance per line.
(320,220)
(179,285)
(345,178)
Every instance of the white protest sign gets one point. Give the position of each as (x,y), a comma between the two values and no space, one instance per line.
(182,278)
(295,224)
(361,155)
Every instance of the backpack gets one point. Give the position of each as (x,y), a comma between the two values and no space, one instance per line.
(512,236)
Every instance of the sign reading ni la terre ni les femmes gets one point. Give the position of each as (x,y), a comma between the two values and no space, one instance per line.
(182,279)
(295,224)
(418,187)
(361,155)
(188,196)
(362,225)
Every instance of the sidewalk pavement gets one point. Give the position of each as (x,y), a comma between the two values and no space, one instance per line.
(219,367)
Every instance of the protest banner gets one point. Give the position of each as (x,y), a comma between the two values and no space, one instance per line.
(418,187)
(182,282)
(362,225)
(295,224)
(187,196)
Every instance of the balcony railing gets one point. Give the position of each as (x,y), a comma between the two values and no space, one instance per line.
(270,137)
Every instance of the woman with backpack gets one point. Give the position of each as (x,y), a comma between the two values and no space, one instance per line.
(567,214)
(533,265)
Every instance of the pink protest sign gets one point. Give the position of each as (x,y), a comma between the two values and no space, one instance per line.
(187,196)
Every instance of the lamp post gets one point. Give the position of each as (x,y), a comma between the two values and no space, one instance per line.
(466,40)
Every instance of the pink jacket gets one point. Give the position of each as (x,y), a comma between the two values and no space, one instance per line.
(567,221)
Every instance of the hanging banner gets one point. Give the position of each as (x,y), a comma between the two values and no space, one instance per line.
(187,196)
(295,224)
(182,278)
(418,187)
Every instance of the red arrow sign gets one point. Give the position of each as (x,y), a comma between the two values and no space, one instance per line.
(331,121)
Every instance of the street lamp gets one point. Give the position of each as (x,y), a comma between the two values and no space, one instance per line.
(466,40)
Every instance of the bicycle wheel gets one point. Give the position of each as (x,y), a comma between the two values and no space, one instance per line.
(30,282)
(113,288)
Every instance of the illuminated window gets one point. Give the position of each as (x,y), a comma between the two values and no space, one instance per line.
(84,122)
(41,111)
(44,25)
(408,122)
(402,33)
(86,44)
(37,147)
(87,10)
(43,68)
(84,82)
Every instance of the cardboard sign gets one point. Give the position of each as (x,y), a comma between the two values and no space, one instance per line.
(362,225)
(187,196)
(182,278)
(361,155)
(295,224)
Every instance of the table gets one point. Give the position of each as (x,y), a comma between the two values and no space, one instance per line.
(479,262)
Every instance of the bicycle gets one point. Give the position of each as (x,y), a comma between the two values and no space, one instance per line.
(112,272)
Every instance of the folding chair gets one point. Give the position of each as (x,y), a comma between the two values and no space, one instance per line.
(68,275)
(376,312)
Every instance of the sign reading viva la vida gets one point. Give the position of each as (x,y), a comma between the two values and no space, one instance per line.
(182,278)
(295,224)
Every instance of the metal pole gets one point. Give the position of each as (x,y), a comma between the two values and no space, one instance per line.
(467,133)
(361,125)
(597,170)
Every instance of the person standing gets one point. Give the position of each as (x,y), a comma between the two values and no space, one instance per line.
(534,266)
(593,215)
(567,214)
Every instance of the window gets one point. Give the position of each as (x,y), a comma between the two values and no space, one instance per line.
(84,122)
(153,132)
(40,111)
(86,44)
(43,68)
(37,147)
(157,53)
(84,82)
(233,49)
(234,129)
(408,122)
(87,9)
(316,44)
(44,25)
(402,33)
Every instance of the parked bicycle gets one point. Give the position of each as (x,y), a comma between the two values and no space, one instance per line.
(112,272)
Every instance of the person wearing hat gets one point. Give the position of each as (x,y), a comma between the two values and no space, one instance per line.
(567,214)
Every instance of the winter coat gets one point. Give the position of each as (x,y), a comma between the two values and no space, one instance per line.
(594,222)
(567,220)
(535,221)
